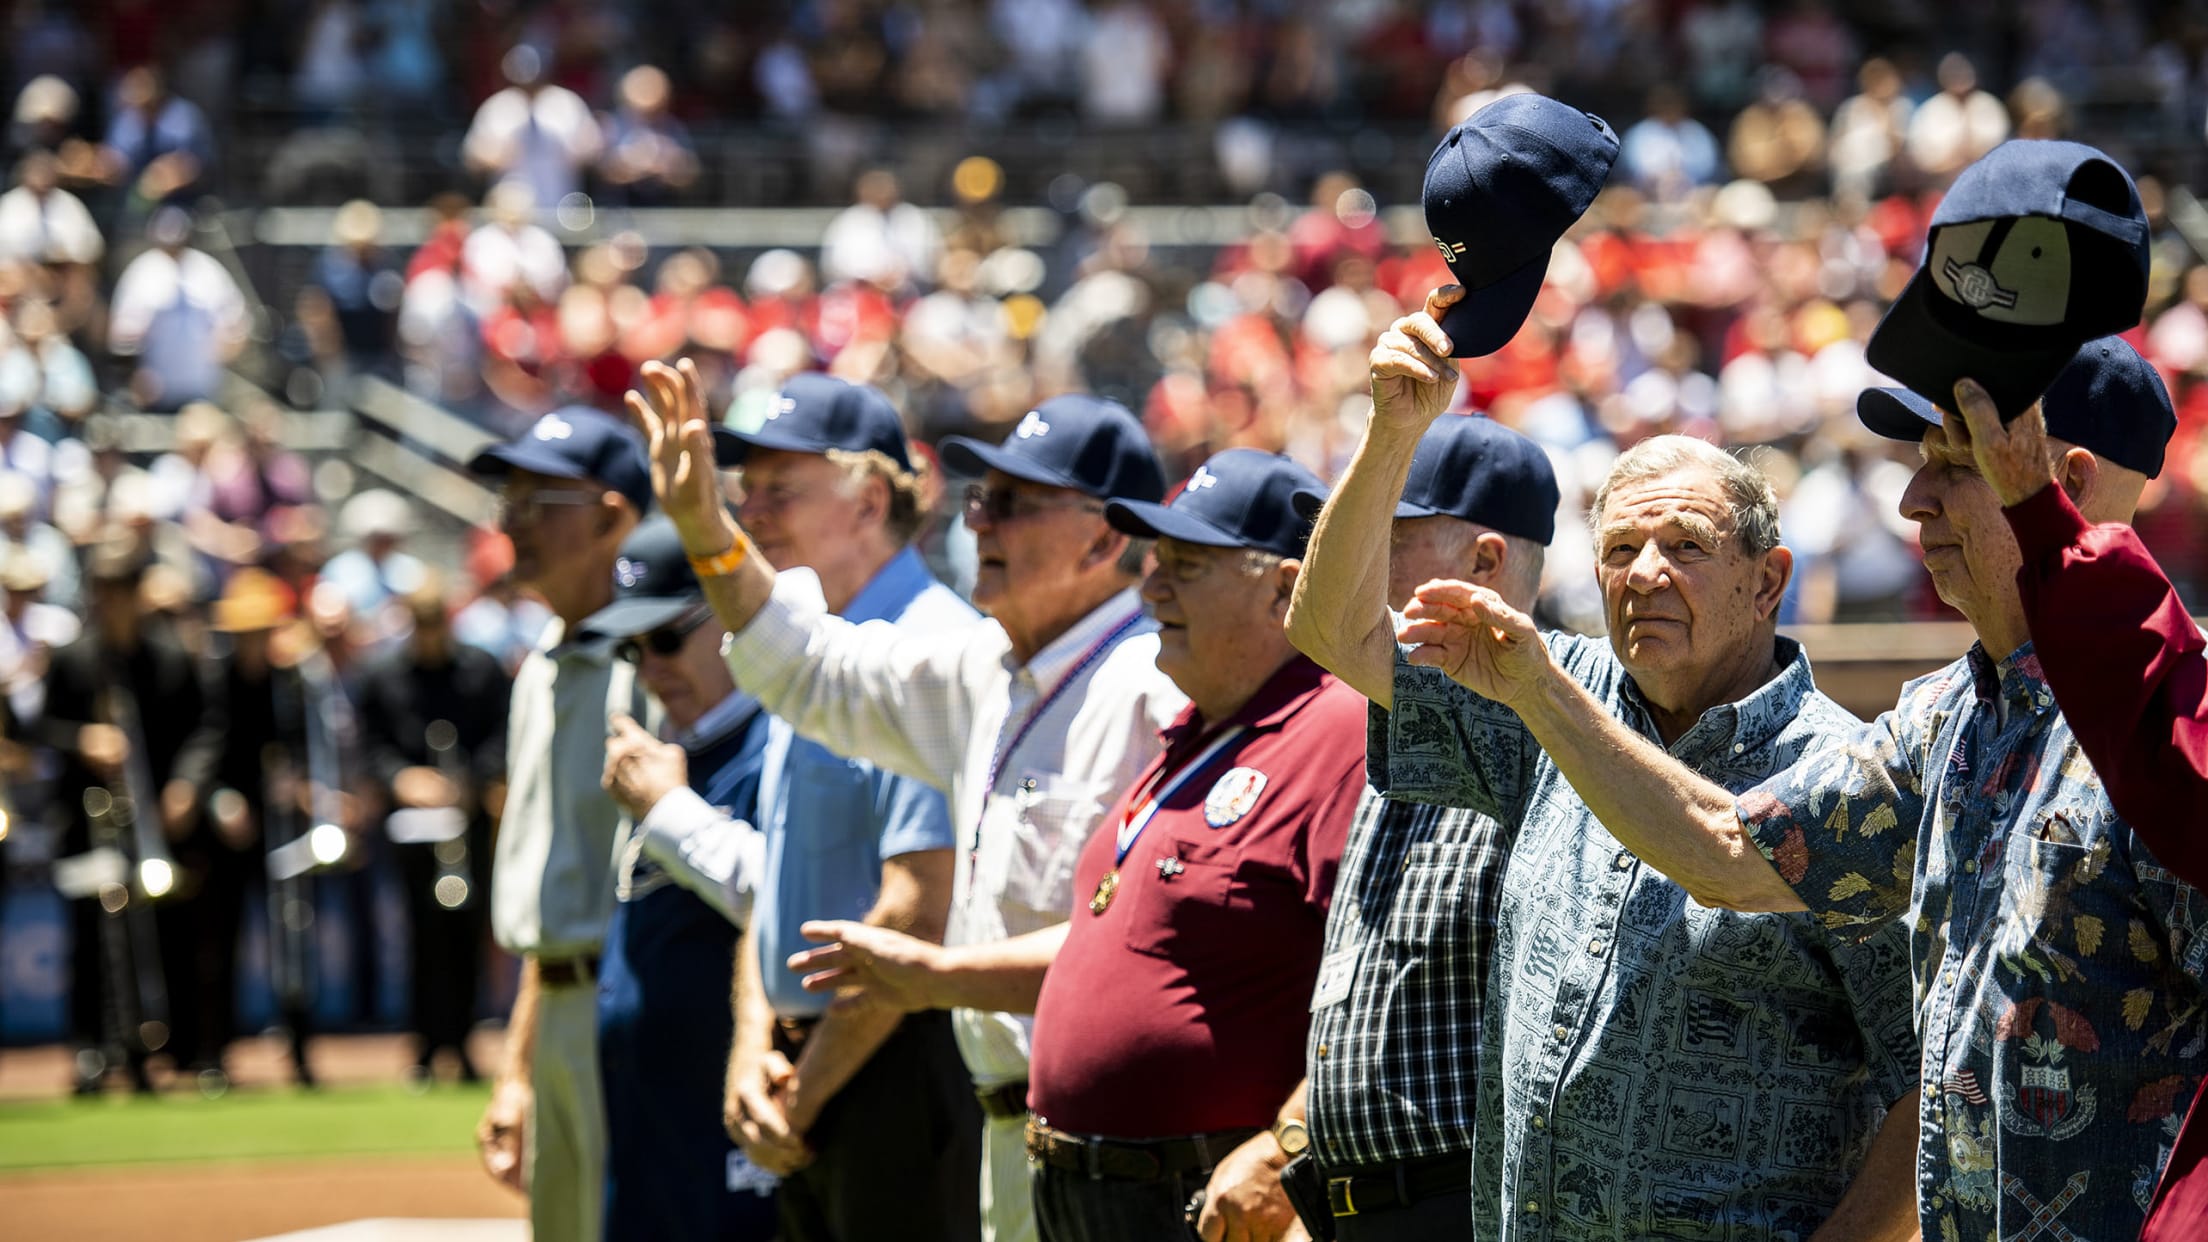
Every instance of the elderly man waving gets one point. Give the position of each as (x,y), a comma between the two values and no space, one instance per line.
(1031,723)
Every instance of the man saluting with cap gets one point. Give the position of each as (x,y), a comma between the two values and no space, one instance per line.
(1031,723)
(1169,1027)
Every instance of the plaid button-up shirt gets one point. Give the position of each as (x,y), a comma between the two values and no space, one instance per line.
(1393,1061)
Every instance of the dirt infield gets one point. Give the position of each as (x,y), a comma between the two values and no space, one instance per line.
(228,1202)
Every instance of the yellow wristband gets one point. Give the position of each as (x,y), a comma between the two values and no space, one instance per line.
(723,564)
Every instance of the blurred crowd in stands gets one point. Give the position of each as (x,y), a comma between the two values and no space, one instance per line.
(1779,163)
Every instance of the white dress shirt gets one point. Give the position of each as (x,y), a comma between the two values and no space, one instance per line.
(940,708)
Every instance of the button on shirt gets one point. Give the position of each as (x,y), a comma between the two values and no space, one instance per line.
(1391,1062)
(941,708)
(831,822)
(1649,1066)
(552,876)
(2058,964)
(1181,1009)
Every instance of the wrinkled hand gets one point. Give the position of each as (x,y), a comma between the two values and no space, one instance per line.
(669,410)
(872,965)
(2012,457)
(104,748)
(752,1111)
(1482,643)
(1413,380)
(641,769)
(424,787)
(1244,1201)
(498,1136)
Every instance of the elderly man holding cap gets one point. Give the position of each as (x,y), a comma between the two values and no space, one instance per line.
(572,487)
(1031,723)
(1169,1026)
(1393,1054)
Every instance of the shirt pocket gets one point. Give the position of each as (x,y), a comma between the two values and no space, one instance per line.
(2047,871)
(1428,914)
(1054,820)
(1184,916)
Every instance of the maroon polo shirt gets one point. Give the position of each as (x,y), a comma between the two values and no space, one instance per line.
(1181,1009)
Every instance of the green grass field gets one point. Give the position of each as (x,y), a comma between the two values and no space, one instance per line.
(243,1125)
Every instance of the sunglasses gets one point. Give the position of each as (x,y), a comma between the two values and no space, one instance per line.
(664,641)
(1003,504)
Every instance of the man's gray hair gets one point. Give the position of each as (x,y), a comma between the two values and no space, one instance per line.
(1755,506)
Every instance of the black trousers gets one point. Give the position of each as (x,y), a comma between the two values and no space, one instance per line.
(1073,1207)
(1438,1219)
(445,954)
(897,1152)
(199,958)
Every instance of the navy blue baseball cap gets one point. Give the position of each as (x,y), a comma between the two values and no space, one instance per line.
(1089,444)
(652,583)
(1476,470)
(576,442)
(1241,498)
(814,413)
(2107,399)
(2038,248)
(1500,190)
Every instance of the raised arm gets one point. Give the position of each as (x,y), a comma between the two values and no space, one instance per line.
(1338,614)
(1680,823)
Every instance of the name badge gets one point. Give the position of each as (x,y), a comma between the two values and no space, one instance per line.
(1335,974)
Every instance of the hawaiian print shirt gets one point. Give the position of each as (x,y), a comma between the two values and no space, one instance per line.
(1650,1067)
(2058,966)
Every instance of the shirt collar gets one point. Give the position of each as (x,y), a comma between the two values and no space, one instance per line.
(1753,721)
(2016,682)
(1282,696)
(1058,657)
(591,648)
(893,586)
(719,720)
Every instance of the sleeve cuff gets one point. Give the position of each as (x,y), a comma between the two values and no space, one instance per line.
(2045,522)
(718,858)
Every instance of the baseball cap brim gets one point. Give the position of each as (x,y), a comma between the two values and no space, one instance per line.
(1912,345)
(971,458)
(1308,503)
(530,455)
(1486,319)
(628,618)
(1896,413)
(1150,520)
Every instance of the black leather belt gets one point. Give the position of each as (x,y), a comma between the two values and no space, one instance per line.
(1003,1101)
(567,972)
(1122,1160)
(1355,1192)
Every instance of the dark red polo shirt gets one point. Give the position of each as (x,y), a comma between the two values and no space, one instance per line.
(1181,1009)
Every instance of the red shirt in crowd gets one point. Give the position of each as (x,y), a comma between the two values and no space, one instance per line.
(2126,665)
(1181,1008)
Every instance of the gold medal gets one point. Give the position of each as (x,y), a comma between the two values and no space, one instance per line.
(1104,890)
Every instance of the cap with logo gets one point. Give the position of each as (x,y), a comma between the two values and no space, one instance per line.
(1240,498)
(1475,469)
(2107,399)
(1089,444)
(1500,190)
(652,583)
(814,413)
(576,443)
(2038,248)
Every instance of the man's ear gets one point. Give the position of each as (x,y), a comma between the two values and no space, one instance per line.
(1490,553)
(1284,584)
(2076,472)
(1778,570)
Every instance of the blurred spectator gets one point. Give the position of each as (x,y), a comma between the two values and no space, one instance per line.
(377,569)
(1667,153)
(1809,41)
(82,498)
(42,223)
(178,315)
(534,131)
(438,337)
(1779,139)
(159,145)
(649,159)
(509,254)
(880,239)
(356,289)
(1043,37)
(2038,109)
(333,58)
(34,628)
(1724,43)
(23,530)
(1124,55)
(244,480)
(1958,125)
(1869,130)
(45,372)
(26,456)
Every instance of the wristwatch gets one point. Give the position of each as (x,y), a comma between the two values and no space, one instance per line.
(1293,1138)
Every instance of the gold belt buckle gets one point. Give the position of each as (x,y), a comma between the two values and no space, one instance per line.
(1349,1196)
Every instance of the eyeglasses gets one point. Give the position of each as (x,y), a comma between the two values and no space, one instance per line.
(528,507)
(666,640)
(1004,504)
